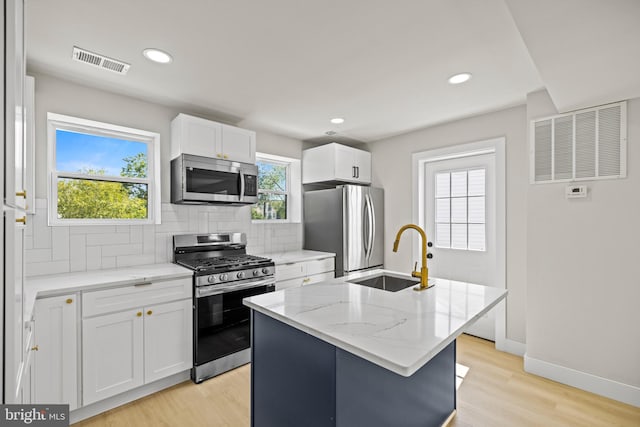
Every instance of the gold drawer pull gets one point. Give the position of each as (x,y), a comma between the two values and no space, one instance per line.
(307,280)
(139,314)
(22,220)
(22,193)
(35,348)
(69,300)
(149,313)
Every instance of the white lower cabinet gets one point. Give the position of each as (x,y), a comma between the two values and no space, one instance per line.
(167,339)
(112,354)
(55,351)
(124,350)
(301,273)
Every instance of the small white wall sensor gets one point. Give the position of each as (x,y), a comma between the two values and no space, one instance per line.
(576,191)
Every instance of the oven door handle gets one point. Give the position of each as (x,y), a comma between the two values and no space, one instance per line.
(206,291)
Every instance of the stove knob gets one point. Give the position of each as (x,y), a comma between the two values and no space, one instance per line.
(256,272)
(224,277)
(211,279)
(265,270)
(240,275)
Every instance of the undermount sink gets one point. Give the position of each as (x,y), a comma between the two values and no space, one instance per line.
(386,282)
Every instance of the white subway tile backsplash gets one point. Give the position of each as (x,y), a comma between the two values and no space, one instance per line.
(59,243)
(37,255)
(43,268)
(94,257)
(109,262)
(83,248)
(77,252)
(136,234)
(92,229)
(107,239)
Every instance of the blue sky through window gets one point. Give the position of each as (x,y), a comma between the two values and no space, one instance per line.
(76,152)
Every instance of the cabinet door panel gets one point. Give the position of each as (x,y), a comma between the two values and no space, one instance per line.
(14,335)
(345,164)
(168,343)
(238,144)
(112,355)
(55,362)
(362,160)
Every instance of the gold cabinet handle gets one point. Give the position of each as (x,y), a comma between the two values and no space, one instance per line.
(35,348)
(22,193)
(218,155)
(69,300)
(307,280)
(139,314)
(22,220)
(225,156)
(149,313)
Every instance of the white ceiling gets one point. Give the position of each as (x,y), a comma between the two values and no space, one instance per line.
(288,66)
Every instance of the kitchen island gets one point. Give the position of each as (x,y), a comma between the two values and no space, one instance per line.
(342,354)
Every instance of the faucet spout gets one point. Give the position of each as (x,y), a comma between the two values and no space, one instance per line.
(423,274)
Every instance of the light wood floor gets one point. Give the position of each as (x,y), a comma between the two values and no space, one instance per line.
(496,392)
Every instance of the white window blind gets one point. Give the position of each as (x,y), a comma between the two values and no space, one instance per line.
(460,210)
(586,144)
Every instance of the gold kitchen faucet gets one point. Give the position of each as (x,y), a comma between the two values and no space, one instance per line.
(423,274)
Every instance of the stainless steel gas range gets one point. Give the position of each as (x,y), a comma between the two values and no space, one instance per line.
(223,274)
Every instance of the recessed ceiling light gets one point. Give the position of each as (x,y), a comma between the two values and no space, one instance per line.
(157,55)
(337,120)
(459,78)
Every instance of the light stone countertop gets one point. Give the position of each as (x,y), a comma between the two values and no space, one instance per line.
(288,257)
(400,331)
(61,284)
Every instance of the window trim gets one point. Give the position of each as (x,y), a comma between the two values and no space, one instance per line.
(75,124)
(294,188)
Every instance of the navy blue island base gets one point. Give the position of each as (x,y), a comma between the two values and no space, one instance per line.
(300,380)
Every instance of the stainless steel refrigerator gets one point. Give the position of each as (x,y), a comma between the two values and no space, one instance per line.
(349,221)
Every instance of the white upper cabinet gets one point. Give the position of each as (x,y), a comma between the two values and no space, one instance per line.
(200,137)
(336,162)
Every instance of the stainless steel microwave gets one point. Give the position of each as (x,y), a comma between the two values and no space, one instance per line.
(203,180)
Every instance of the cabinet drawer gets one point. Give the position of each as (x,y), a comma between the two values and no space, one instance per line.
(320,266)
(290,271)
(112,300)
(319,278)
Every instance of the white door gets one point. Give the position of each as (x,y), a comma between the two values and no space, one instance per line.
(460,221)
(55,362)
(112,355)
(167,339)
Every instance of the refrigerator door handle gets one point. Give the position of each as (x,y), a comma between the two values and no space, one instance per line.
(366,228)
(372,230)
(371,222)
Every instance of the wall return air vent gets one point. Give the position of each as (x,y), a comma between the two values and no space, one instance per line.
(583,145)
(100,61)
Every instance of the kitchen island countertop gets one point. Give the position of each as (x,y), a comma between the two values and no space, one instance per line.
(400,331)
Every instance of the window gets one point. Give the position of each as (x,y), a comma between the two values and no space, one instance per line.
(101,173)
(279,193)
(460,210)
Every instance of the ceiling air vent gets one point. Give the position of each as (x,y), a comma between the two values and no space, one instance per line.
(582,145)
(100,61)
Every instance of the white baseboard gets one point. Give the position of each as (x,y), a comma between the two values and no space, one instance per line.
(126,397)
(604,387)
(511,346)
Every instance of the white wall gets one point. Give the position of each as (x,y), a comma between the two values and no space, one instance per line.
(583,279)
(66,248)
(392,171)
